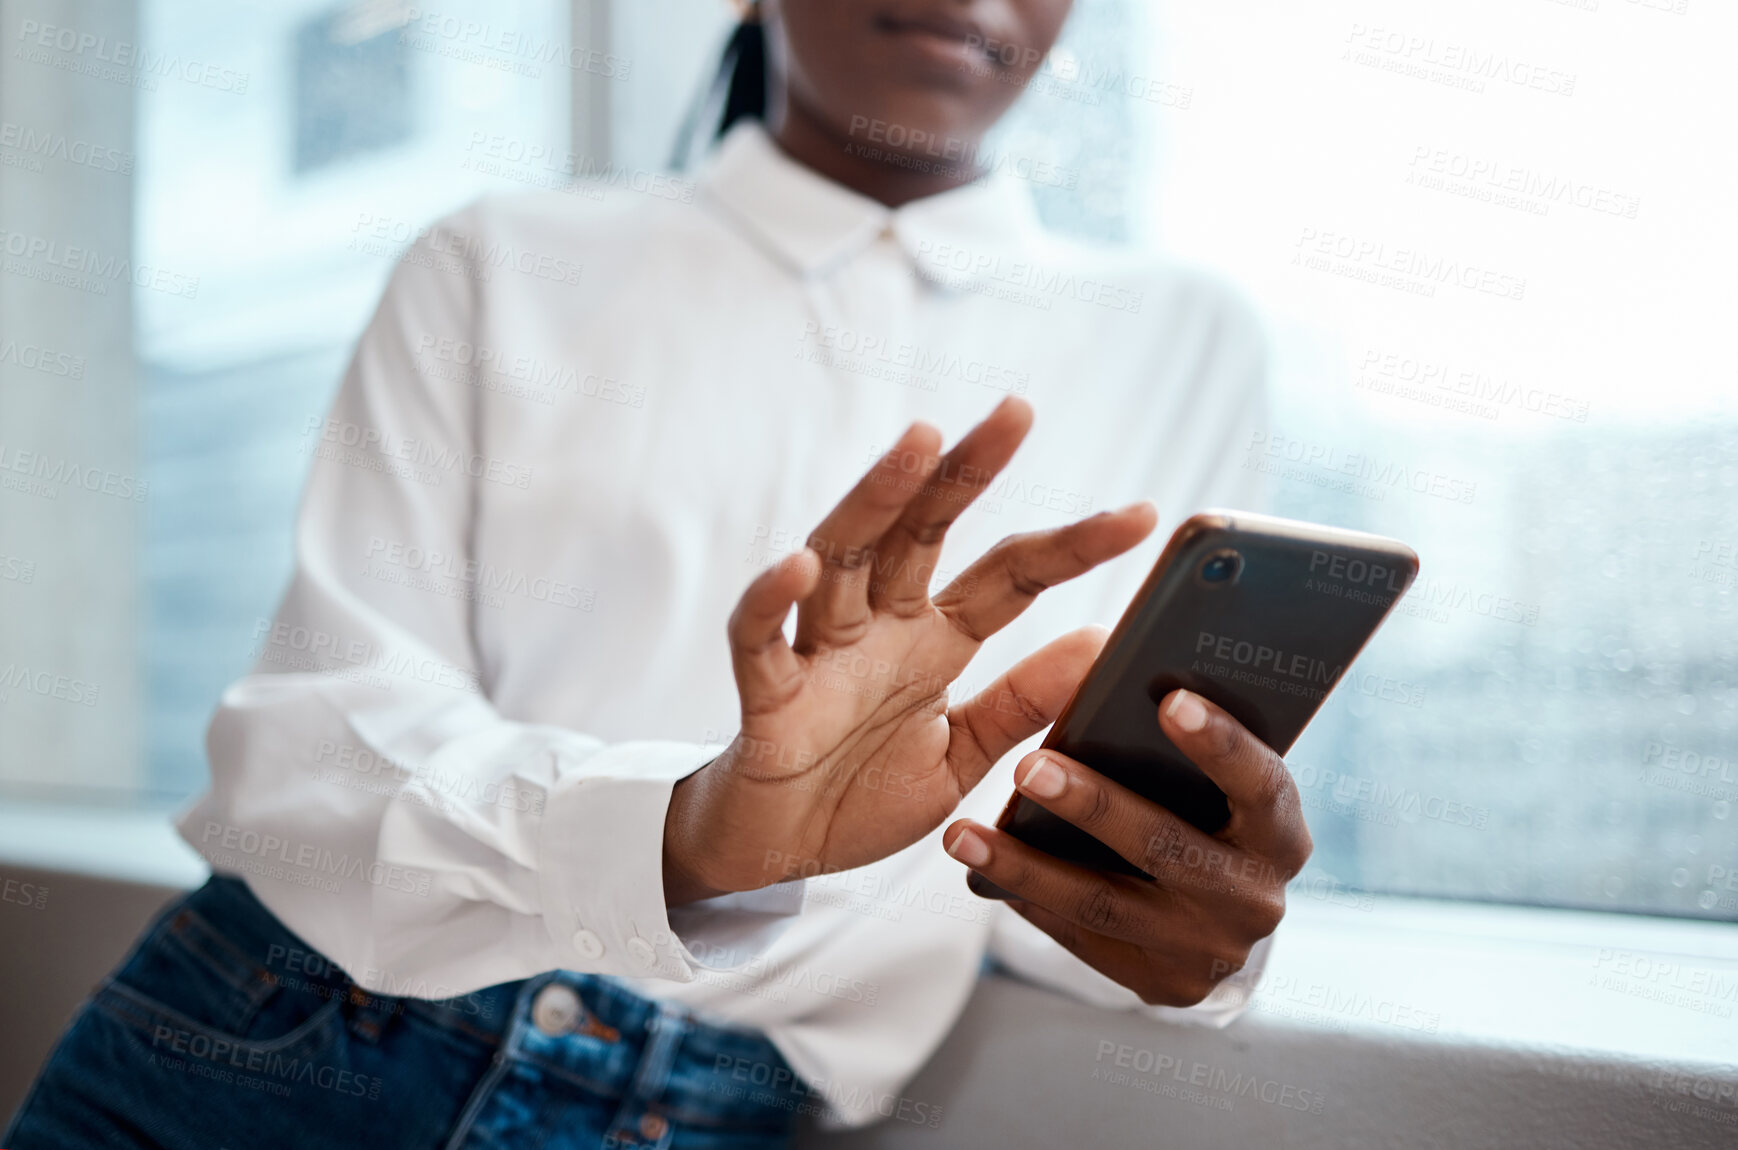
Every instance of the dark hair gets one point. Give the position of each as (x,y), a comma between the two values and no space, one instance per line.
(742,77)
(745,66)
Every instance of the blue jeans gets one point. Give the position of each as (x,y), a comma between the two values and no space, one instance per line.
(224,1029)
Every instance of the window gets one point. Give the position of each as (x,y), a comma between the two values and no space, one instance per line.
(1489,242)
(242,179)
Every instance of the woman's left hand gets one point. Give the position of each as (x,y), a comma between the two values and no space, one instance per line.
(1211,898)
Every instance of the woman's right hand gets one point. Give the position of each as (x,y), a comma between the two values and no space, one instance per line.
(848,750)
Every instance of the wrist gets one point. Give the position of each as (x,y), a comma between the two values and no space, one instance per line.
(685,880)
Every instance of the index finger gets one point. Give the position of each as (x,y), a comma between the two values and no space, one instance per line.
(838,608)
(1266,811)
(949,485)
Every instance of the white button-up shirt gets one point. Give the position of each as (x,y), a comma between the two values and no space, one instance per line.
(576,428)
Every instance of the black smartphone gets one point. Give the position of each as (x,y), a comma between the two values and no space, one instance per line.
(1261,615)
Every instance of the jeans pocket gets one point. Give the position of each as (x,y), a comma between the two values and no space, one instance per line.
(132,1073)
(189,978)
(169,1033)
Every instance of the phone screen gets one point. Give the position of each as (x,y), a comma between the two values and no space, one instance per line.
(1261,615)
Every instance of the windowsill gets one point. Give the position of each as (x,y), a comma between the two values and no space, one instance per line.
(1580,982)
(1569,980)
(126,845)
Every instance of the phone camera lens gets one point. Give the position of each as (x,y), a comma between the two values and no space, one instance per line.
(1221,568)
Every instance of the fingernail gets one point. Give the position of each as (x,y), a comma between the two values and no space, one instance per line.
(1044,778)
(970,849)
(1187,712)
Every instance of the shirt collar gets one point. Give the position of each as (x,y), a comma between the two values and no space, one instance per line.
(813,225)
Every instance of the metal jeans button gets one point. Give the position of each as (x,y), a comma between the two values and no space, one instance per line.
(556,1010)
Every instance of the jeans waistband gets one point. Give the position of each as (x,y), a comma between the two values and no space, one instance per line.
(588,1030)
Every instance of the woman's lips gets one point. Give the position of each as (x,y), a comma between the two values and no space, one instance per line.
(956,43)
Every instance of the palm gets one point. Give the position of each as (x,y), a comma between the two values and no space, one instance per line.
(849,750)
(869,739)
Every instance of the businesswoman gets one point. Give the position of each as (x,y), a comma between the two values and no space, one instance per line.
(676,578)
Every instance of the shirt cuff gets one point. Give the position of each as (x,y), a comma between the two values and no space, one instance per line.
(1028,952)
(1229,999)
(727,932)
(601,871)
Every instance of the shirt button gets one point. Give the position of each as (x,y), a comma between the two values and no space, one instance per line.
(652,1127)
(556,1010)
(642,952)
(588,944)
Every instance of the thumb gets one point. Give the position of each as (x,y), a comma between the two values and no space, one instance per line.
(1025,700)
